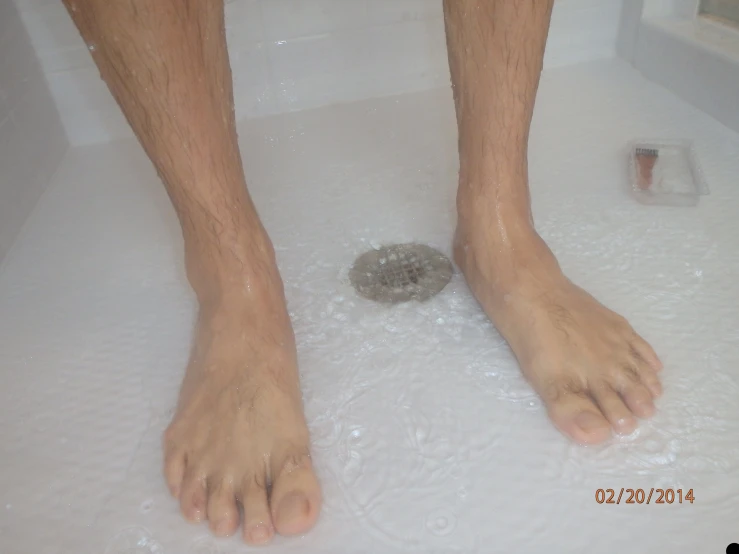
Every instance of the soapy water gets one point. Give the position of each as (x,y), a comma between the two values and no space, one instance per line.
(134,540)
(441,522)
(146,506)
(421,449)
(139,540)
(413,447)
(204,545)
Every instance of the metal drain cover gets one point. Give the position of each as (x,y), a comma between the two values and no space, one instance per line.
(401,272)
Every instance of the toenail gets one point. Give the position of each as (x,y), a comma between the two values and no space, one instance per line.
(258,534)
(625,424)
(294,506)
(588,421)
(223,526)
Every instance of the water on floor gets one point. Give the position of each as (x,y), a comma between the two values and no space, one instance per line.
(425,436)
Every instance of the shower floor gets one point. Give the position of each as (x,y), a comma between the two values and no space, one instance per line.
(425,436)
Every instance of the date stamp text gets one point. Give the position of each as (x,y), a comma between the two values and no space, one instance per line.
(644,496)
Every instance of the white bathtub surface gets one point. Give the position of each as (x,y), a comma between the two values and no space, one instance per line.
(426,437)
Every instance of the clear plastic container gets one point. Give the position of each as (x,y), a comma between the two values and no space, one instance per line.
(666,172)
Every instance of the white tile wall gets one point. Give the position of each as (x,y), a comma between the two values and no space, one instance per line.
(297,54)
(663,37)
(32,138)
(631,13)
(664,48)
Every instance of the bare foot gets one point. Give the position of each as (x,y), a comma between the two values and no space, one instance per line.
(239,438)
(589,366)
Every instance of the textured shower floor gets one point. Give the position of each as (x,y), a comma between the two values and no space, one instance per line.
(426,438)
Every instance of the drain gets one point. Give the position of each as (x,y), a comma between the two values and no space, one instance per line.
(401,272)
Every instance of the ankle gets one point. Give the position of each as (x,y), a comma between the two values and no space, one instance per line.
(232,269)
(503,257)
(496,228)
(496,200)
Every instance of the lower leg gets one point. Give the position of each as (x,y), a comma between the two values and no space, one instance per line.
(239,430)
(592,370)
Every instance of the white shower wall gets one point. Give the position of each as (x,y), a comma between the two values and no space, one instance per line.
(662,38)
(290,55)
(32,139)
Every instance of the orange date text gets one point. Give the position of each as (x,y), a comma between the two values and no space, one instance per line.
(644,496)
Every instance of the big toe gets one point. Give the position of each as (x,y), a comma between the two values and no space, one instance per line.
(590,427)
(296,496)
(293,514)
(577,416)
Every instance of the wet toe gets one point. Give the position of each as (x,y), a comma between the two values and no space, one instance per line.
(258,528)
(646,352)
(615,411)
(296,497)
(651,381)
(258,534)
(174,471)
(293,514)
(223,514)
(193,499)
(639,400)
(593,427)
(577,417)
